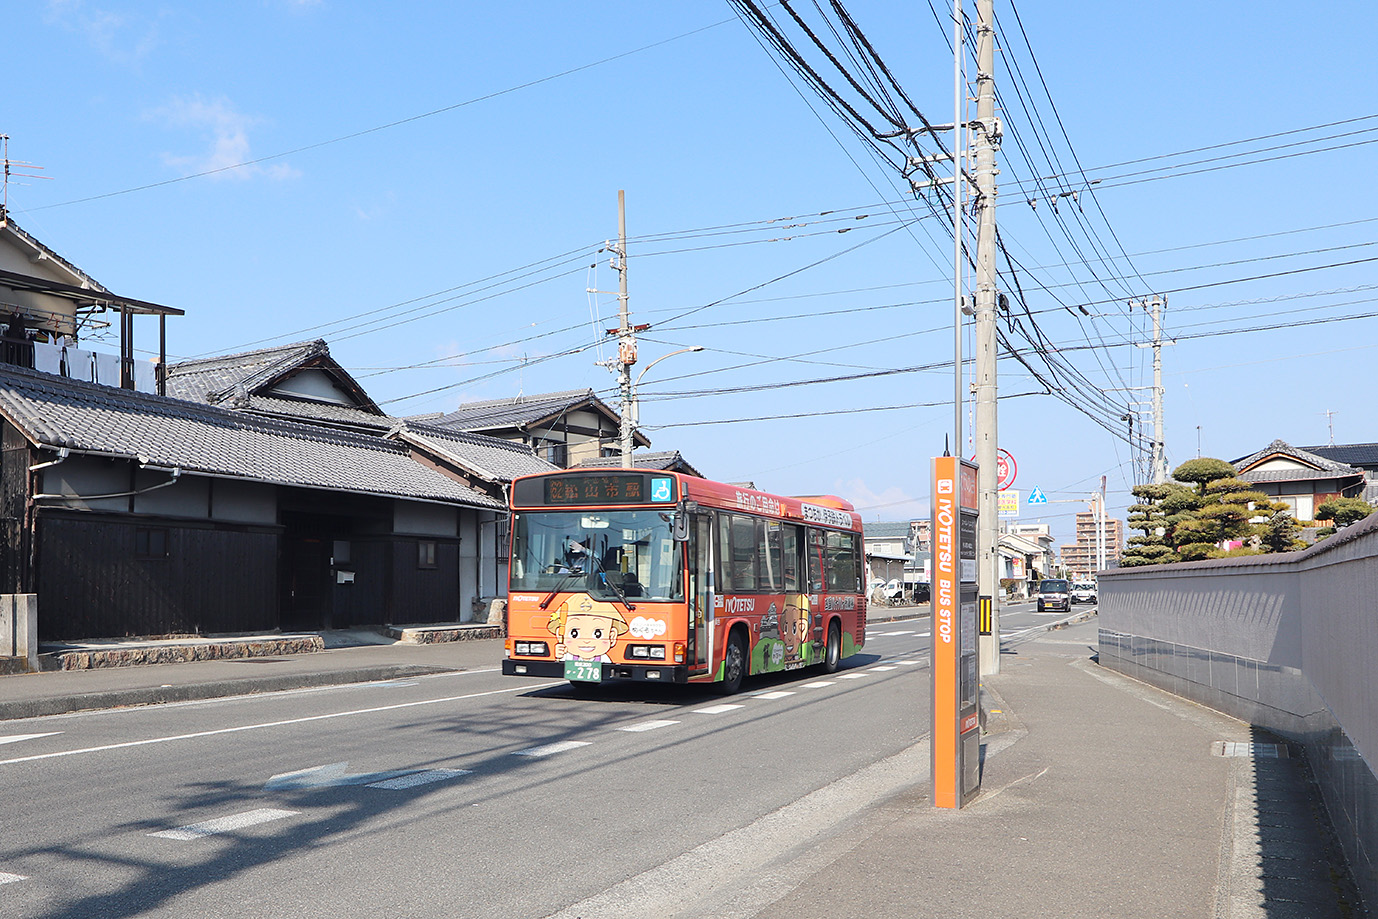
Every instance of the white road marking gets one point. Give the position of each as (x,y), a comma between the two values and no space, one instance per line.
(925,634)
(328,776)
(527,687)
(15,738)
(884,666)
(850,676)
(716,709)
(908,663)
(11,878)
(818,684)
(224,824)
(421,778)
(553,748)
(777,694)
(647,726)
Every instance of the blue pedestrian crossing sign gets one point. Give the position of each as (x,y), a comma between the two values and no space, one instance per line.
(1037,496)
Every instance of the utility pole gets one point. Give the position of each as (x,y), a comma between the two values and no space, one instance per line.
(1155,305)
(626,335)
(986,140)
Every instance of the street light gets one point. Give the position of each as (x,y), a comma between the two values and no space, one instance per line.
(627,440)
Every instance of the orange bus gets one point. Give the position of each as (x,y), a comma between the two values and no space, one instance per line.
(657,576)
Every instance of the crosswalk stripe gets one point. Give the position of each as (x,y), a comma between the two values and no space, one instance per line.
(850,676)
(224,824)
(818,684)
(884,667)
(647,726)
(420,778)
(716,709)
(552,748)
(777,694)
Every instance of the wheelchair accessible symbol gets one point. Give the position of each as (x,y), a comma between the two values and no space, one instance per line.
(661,490)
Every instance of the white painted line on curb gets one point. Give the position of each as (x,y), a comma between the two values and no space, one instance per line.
(224,824)
(647,726)
(716,709)
(11,878)
(552,748)
(420,778)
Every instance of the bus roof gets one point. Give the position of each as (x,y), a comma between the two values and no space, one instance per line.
(824,510)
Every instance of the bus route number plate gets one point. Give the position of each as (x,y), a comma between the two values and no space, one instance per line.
(588,671)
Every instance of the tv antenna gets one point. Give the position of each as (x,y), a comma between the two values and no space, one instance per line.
(12,171)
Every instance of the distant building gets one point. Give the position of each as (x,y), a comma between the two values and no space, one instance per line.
(1080,558)
(660,461)
(1302,479)
(563,428)
(1359,456)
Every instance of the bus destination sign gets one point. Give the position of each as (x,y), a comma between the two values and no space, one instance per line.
(630,488)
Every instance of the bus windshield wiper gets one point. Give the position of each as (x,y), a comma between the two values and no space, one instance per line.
(559,586)
(603,576)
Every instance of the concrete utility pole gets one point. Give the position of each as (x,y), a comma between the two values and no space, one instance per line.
(626,335)
(1155,305)
(986,140)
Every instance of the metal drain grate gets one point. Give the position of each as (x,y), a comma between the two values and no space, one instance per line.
(1251,750)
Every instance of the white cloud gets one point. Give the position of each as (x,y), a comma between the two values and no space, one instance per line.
(228,155)
(116,36)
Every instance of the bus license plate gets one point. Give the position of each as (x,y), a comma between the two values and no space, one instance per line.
(588,671)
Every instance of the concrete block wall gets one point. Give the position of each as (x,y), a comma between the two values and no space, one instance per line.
(1285,642)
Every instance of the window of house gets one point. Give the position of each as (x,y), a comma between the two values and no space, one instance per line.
(504,537)
(150,542)
(425,554)
(556,454)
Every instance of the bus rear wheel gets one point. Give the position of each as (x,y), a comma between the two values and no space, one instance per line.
(733,665)
(832,656)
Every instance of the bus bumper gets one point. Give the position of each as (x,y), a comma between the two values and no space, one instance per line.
(646,673)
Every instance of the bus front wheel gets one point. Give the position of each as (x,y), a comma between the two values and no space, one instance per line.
(734,664)
(832,656)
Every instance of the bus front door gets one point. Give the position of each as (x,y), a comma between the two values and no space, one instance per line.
(700,594)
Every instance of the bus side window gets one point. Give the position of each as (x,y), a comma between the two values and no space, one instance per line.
(744,541)
(814,548)
(726,582)
(790,546)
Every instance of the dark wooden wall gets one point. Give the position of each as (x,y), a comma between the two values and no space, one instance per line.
(421,595)
(215,578)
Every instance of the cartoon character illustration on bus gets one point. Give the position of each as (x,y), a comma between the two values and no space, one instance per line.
(794,629)
(586,630)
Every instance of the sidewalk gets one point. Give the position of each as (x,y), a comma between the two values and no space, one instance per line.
(347,657)
(1101,797)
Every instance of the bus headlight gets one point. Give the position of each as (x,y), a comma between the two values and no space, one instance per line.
(646,652)
(532,648)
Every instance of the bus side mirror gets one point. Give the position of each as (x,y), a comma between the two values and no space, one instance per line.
(679,529)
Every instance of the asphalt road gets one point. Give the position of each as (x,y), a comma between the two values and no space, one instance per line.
(464,794)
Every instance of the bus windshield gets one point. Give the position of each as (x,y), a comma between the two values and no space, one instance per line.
(608,554)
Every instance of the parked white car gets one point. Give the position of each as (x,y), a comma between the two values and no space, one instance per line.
(1084,592)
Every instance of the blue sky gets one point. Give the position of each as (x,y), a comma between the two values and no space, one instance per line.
(427,186)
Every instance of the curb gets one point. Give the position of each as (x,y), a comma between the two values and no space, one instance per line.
(192,692)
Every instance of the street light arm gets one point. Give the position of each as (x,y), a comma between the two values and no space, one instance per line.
(636,404)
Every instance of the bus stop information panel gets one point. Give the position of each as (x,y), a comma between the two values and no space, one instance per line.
(956,687)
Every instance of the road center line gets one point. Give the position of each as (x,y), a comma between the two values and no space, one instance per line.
(525,687)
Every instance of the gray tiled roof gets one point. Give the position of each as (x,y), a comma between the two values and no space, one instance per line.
(487,457)
(1298,475)
(241,380)
(87,417)
(1283,448)
(663,459)
(516,412)
(1351,454)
